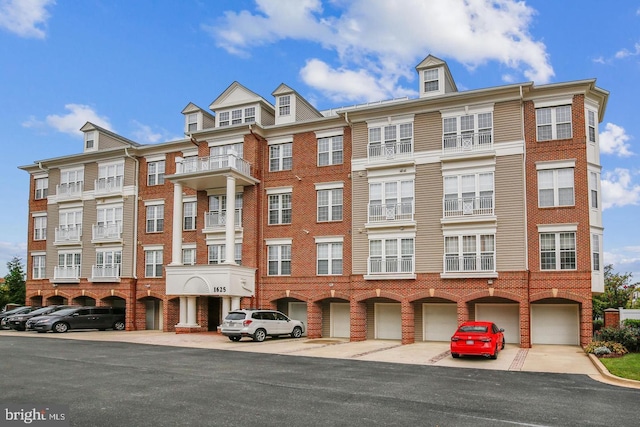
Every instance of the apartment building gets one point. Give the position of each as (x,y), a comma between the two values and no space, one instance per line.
(389,220)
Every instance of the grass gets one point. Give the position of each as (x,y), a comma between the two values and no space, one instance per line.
(627,366)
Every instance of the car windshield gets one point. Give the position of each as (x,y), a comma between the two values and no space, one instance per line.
(63,312)
(15,310)
(235,316)
(41,310)
(473,328)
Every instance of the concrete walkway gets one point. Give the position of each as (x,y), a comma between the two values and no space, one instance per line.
(540,358)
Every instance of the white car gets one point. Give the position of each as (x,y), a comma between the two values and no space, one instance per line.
(258,324)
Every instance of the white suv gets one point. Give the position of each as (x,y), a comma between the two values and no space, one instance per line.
(257,324)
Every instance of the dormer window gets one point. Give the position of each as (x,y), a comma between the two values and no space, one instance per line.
(224,119)
(236,117)
(250,115)
(431,82)
(284,105)
(192,122)
(89,140)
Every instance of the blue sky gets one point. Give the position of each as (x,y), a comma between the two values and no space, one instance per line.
(132,66)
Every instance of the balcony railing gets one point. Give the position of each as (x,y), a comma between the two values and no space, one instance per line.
(468,142)
(217,219)
(464,206)
(391,265)
(66,273)
(68,234)
(114,184)
(69,190)
(106,231)
(213,163)
(391,150)
(105,272)
(469,263)
(391,212)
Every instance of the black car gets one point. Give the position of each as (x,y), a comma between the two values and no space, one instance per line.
(4,316)
(79,318)
(19,321)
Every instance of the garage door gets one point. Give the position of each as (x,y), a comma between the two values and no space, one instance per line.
(340,324)
(555,324)
(298,311)
(388,321)
(506,316)
(439,321)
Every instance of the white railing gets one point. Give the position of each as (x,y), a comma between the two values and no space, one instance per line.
(391,150)
(214,163)
(68,234)
(467,143)
(105,271)
(391,212)
(69,190)
(215,219)
(114,184)
(469,263)
(68,273)
(106,231)
(391,265)
(468,206)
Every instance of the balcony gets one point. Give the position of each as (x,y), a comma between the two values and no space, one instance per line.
(110,185)
(68,235)
(216,280)
(105,273)
(468,206)
(106,232)
(391,151)
(390,212)
(470,265)
(391,268)
(467,143)
(62,274)
(69,191)
(217,220)
(202,173)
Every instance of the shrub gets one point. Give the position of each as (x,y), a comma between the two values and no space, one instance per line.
(597,325)
(631,323)
(628,337)
(602,348)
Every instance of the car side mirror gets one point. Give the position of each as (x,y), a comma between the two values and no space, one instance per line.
(501,330)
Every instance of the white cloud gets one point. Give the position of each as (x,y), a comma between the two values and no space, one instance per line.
(614,141)
(625,260)
(618,189)
(26,18)
(77,116)
(623,53)
(382,38)
(145,134)
(9,250)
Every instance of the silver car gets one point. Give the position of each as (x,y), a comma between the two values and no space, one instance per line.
(258,324)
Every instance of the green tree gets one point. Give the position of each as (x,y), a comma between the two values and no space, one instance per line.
(15,288)
(618,290)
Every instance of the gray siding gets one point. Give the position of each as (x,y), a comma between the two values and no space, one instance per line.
(510,211)
(359,140)
(303,111)
(89,218)
(427,132)
(507,122)
(360,248)
(208,121)
(429,248)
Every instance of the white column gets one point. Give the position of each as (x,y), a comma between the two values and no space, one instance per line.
(226,306)
(235,303)
(230,226)
(183,311)
(176,237)
(191,311)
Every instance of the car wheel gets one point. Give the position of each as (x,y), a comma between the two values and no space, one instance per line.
(21,329)
(41,332)
(234,338)
(259,335)
(502,348)
(455,355)
(119,326)
(297,332)
(494,356)
(60,327)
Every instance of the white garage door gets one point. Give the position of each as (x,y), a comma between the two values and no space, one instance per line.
(298,311)
(340,320)
(388,321)
(555,324)
(506,316)
(439,321)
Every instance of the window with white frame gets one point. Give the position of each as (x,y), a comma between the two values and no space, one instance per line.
(192,122)
(250,114)
(41,188)
(155,173)
(217,214)
(69,264)
(558,251)
(391,200)
(189,210)
(155,218)
(553,122)
(280,208)
(595,251)
(70,219)
(280,157)
(468,130)
(188,256)
(391,139)
(110,176)
(391,255)
(219,154)
(237,116)
(284,105)
(470,194)
(431,80)
(279,260)
(38,264)
(153,263)
(594,185)
(329,258)
(71,181)
(555,187)
(223,118)
(89,140)
(329,204)
(217,254)
(40,227)
(108,262)
(475,252)
(330,150)
(592,126)
(109,221)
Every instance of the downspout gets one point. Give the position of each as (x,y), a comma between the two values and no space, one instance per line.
(135,237)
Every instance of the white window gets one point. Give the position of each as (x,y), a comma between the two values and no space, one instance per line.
(155,175)
(217,214)
(188,256)
(594,184)
(391,256)
(467,131)
(280,157)
(189,215)
(109,221)
(391,140)
(431,80)
(558,251)
(284,105)
(153,263)
(280,208)
(42,188)
(555,187)
(595,250)
(250,114)
(468,194)
(71,181)
(110,177)
(109,262)
(469,253)
(39,263)
(391,200)
(70,260)
(192,122)
(330,151)
(330,205)
(553,123)
(40,227)
(236,117)
(224,119)
(279,260)
(329,258)
(592,126)
(89,140)
(217,254)
(155,218)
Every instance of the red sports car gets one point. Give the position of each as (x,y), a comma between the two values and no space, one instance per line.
(477,339)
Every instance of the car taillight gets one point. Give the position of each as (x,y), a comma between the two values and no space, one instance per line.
(247,322)
(455,339)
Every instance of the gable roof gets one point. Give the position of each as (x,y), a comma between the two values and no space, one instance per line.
(237,94)
(90,126)
(283,89)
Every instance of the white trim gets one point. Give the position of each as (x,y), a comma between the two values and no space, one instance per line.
(38,214)
(188,246)
(386,175)
(156,158)
(279,190)
(329,133)
(146,248)
(280,140)
(555,101)
(393,234)
(157,202)
(41,175)
(38,253)
(189,199)
(189,153)
(556,164)
(329,239)
(390,120)
(75,206)
(217,142)
(276,242)
(467,110)
(467,230)
(557,228)
(329,185)
(468,168)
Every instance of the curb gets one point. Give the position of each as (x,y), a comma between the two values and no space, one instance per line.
(624,382)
